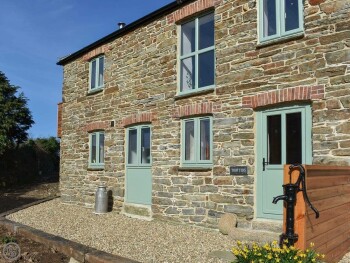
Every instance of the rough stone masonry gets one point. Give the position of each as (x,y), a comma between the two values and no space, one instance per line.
(141,86)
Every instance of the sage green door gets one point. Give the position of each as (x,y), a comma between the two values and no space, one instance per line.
(284,137)
(138,165)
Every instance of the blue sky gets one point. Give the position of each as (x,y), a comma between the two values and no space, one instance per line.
(34,34)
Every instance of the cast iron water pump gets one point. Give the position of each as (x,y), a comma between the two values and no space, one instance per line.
(290,198)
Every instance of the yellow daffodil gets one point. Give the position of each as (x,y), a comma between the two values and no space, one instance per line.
(271,252)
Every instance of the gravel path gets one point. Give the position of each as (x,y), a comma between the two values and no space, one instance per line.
(117,234)
(145,241)
(346,258)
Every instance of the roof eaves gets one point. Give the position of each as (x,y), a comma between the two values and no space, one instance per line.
(128,28)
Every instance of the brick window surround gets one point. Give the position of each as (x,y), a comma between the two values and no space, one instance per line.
(316,2)
(96,52)
(138,118)
(202,108)
(101,125)
(302,93)
(191,9)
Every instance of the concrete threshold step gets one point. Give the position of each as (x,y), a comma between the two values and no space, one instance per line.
(252,235)
(268,225)
(79,252)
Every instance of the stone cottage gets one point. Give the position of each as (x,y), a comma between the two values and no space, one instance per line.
(191,111)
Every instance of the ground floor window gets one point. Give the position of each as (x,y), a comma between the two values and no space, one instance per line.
(196,142)
(96,156)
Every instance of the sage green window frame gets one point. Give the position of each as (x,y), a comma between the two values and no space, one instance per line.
(98,163)
(196,162)
(281,33)
(139,162)
(196,54)
(98,83)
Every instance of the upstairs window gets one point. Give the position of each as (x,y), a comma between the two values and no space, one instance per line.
(197,54)
(97,142)
(197,142)
(280,18)
(96,73)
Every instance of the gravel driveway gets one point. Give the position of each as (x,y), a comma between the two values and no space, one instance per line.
(144,241)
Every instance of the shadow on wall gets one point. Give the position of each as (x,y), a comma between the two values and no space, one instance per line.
(110,200)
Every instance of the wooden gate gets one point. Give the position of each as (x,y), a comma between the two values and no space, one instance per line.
(328,188)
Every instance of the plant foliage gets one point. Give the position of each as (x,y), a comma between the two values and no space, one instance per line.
(272,253)
(15,117)
(50,145)
(8,239)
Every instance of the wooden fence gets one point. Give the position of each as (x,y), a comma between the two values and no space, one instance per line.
(328,188)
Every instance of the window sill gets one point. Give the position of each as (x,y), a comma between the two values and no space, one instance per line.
(191,168)
(281,40)
(94,91)
(194,93)
(95,168)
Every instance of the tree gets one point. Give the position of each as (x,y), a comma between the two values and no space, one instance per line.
(15,117)
(50,145)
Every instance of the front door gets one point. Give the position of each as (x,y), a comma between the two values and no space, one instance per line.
(138,165)
(284,137)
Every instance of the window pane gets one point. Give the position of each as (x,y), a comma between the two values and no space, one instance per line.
(132,151)
(188,37)
(93,149)
(189,140)
(101,147)
(187,74)
(100,71)
(293,133)
(206,69)
(93,75)
(205,139)
(269,17)
(145,145)
(274,137)
(206,31)
(292,14)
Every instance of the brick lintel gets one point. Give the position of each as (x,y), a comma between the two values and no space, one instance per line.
(100,125)
(142,117)
(96,52)
(196,109)
(191,9)
(302,93)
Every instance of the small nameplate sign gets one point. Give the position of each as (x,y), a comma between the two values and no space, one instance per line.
(238,170)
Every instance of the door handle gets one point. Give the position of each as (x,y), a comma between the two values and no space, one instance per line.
(264,163)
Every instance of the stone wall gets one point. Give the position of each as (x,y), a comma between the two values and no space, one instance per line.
(141,86)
